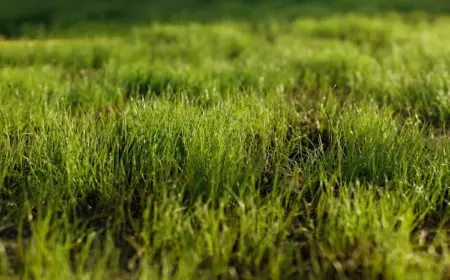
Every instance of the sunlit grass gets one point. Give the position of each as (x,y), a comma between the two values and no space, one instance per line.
(259,146)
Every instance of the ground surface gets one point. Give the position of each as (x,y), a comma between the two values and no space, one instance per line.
(240,140)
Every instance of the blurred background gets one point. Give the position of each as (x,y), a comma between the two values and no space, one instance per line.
(34,18)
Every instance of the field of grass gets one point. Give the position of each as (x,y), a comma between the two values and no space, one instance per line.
(225,139)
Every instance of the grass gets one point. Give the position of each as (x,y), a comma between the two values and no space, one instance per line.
(231,140)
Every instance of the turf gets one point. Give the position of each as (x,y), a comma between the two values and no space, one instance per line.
(225,139)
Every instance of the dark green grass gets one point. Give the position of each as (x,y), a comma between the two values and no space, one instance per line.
(217,139)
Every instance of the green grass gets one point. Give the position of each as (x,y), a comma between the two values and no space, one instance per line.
(233,140)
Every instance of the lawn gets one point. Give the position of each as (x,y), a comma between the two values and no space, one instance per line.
(199,139)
